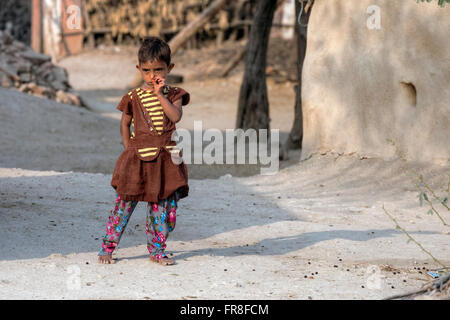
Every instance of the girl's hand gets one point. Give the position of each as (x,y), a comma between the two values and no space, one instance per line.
(158,84)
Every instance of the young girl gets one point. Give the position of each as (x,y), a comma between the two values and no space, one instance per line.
(150,168)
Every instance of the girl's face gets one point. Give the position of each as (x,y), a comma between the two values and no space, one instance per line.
(151,70)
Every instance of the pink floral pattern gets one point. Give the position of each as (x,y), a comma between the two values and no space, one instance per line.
(160,221)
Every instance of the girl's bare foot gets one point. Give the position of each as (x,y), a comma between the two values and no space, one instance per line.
(106,259)
(165,261)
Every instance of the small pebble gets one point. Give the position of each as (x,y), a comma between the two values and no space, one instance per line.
(404,280)
(362,286)
(392,287)
(224,269)
(335,266)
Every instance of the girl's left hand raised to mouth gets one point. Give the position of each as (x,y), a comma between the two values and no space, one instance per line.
(159,83)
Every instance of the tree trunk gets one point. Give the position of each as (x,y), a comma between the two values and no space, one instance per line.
(295,138)
(253,106)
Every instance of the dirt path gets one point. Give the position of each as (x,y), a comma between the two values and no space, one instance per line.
(240,237)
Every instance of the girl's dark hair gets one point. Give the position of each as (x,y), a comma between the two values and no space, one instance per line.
(154,48)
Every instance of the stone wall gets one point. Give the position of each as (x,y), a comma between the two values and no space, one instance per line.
(363,85)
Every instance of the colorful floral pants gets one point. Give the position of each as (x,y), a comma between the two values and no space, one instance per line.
(161,219)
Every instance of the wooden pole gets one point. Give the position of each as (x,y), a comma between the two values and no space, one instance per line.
(186,33)
(295,138)
(234,61)
(36,25)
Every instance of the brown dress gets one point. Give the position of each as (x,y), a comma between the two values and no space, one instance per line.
(151,167)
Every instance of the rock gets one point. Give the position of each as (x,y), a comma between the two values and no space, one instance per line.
(44,72)
(44,92)
(60,74)
(40,91)
(44,68)
(5,81)
(33,72)
(25,77)
(62,97)
(361,86)
(68,98)
(9,70)
(34,57)
(23,88)
(57,85)
(23,66)
(19,45)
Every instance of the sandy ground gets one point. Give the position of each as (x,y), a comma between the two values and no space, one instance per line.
(315,230)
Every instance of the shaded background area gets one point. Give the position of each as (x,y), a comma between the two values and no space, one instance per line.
(15,15)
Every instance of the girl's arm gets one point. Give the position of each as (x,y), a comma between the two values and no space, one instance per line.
(172,110)
(125,128)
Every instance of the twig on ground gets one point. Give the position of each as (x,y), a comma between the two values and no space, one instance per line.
(421,180)
(412,239)
(433,287)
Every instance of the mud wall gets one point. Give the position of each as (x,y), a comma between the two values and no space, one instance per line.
(377,70)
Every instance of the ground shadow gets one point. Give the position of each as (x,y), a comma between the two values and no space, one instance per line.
(283,245)
(67,213)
